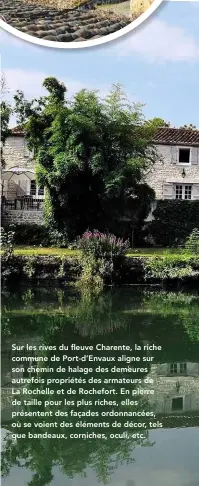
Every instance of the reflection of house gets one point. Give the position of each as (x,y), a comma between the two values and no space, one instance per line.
(176,388)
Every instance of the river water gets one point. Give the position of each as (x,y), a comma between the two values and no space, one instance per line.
(162,329)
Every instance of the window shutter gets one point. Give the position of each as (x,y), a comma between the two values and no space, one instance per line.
(195,192)
(167,405)
(168,190)
(174,154)
(194,156)
(187,403)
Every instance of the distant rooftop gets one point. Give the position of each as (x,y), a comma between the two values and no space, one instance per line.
(164,135)
(176,136)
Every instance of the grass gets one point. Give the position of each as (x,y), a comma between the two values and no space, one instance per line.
(34,251)
(41,251)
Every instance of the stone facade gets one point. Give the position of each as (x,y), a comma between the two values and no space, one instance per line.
(168,172)
(176,387)
(16,153)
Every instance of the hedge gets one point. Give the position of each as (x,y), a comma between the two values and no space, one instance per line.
(174,221)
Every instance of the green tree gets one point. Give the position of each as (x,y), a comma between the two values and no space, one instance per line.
(91,156)
(158,122)
(5,111)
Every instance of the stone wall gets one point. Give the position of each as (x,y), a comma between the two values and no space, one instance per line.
(16,153)
(166,390)
(167,172)
(12,216)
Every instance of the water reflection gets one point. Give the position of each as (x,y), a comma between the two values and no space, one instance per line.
(40,316)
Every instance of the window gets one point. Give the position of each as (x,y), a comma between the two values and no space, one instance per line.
(187,192)
(40,191)
(183,368)
(177,404)
(183,191)
(178,191)
(178,368)
(35,190)
(184,156)
(173,368)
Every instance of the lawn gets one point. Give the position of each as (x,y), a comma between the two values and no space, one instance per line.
(149,252)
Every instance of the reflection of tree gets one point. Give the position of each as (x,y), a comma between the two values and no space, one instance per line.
(113,317)
(72,456)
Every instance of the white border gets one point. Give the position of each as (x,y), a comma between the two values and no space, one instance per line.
(89,43)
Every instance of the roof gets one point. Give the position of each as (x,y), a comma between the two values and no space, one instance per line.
(163,136)
(176,136)
(17,130)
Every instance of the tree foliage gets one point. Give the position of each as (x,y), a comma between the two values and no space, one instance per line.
(91,157)
(5,112)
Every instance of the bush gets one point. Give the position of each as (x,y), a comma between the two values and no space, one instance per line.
(100,254)
(33,234)
(171,268)
(192,244)
(102,245)
(56,238)
(174,221)
(7,242)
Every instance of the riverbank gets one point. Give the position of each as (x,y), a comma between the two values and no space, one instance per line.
(172,269)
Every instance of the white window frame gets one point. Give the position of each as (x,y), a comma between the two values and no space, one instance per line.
(183,184)
(184,164)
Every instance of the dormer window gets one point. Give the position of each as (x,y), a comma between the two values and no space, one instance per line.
(184,156)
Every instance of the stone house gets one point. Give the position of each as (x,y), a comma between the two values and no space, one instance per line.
(174,176)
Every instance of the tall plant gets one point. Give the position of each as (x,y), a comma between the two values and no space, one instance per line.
(100,253)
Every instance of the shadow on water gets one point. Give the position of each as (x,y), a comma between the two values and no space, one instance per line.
(122,316)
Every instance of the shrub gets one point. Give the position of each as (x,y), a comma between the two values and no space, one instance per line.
(33,234)
(174,221)
(7,242)
(100,252)
(56,238)
(192,243)
(171,268)
(102,245)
